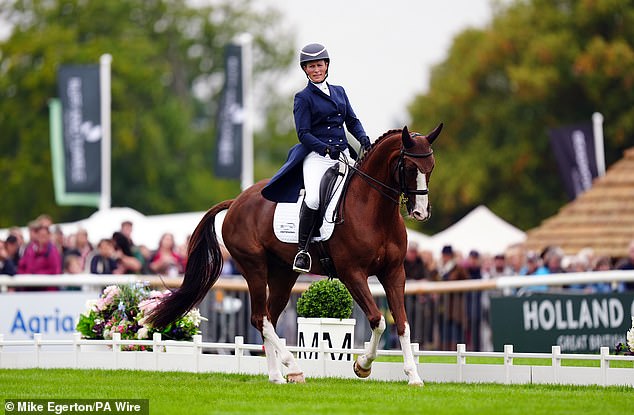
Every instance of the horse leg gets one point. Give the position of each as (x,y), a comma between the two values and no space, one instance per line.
(395,292)
(280,283)
(259,320)
(358,287)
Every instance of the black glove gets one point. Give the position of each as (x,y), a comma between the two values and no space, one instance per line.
(332,152)
(365,142)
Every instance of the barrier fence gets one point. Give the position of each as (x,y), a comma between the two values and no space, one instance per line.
(241,357)
(441,313)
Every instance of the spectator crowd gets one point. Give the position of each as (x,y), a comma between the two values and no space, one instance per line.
(47,250)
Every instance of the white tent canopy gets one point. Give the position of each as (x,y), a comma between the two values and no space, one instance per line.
(480,230)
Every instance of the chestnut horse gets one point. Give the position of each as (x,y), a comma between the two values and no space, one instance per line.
(371,240)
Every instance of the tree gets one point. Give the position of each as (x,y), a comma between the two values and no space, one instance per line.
(539,64)
(167,74)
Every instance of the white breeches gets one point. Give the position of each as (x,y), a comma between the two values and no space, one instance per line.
(314,168)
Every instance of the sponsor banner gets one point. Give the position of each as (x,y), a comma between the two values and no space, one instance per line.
(53,314)
(574,151)
(79,94)
(228,150)
(578,323)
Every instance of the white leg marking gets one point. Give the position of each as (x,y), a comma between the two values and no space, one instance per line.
(409,364)
(274,346)
(365,360)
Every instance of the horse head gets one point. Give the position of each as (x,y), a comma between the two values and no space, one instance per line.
(415,165)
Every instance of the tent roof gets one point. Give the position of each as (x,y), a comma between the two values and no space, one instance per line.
(480,230)
(602,218)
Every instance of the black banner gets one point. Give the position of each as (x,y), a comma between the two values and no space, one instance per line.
(578,323)
(574,150)
(228,155)
(81,127)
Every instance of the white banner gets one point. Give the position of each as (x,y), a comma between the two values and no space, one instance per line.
(54,314)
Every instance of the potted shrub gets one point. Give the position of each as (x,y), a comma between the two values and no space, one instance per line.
(324,311)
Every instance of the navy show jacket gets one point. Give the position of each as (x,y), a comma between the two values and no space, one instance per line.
(319,121)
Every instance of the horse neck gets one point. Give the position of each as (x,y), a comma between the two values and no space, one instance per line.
(379,164)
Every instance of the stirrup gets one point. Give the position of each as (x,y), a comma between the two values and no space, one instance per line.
(302,262)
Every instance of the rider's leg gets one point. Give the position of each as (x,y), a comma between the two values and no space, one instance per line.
(307,218)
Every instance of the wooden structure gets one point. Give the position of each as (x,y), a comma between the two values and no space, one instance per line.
(602,218)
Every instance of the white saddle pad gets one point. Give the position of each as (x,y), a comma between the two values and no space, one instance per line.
(286,217)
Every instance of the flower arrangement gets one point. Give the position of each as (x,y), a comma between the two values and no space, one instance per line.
(123,309)
(325,298)
(628,347)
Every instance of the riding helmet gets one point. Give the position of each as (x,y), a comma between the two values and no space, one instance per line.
(313,52)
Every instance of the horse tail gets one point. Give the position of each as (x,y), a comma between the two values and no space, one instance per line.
(204,264)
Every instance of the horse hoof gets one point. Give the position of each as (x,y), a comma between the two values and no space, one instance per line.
(417,383)
(295,378)
(361,372)
(277,381)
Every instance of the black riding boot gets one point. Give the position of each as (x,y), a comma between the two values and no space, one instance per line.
(307,218)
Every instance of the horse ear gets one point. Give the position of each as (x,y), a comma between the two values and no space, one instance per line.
(407,139)
(432,136)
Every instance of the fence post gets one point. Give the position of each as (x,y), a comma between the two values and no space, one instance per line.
(76,348)
(239,342)
(605,365)
(156,349)
(1,349)
(116,347)
(508,362)
(461,360)
(556,362)
(323,346)
(198,350)
(37,339)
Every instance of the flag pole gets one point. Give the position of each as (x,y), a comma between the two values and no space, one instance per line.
(104,86)
(597,127)
(245,40)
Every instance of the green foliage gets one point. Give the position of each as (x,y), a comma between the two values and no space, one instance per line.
(325,298)
(167,73)
(538,65)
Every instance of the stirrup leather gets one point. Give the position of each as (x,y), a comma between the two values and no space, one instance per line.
(302,262)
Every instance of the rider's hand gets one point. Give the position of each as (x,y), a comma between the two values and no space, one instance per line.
(333,153)
(365,142)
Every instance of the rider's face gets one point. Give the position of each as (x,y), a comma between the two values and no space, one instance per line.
(316,70)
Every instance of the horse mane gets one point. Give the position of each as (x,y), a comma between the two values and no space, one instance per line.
(375,144)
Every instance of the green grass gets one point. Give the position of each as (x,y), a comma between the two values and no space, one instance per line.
(518,361)
(192,394)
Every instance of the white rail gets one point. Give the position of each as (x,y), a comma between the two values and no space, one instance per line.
(239,357)
(237,283)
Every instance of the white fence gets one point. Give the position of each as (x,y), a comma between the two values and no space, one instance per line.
(244,358)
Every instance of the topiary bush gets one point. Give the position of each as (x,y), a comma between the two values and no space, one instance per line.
(327,299)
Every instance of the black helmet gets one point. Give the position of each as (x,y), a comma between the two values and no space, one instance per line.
(313,52)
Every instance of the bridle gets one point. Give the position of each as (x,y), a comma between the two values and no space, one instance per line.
(402,190)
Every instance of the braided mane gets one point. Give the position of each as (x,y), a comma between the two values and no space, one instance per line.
(374,145)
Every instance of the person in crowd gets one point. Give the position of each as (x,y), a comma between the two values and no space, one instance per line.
(552,257)
(41,256)
(126,259)
(452,311)
(104,261)
(12,245)
(72,264)
(320,111)
(603,263)
(628,264)
(7,266)
(532,264)
(413,263)
(499,267)
(83,247)
(166,260)
(126,229)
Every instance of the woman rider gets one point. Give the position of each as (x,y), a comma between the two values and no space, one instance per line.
(320,111)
